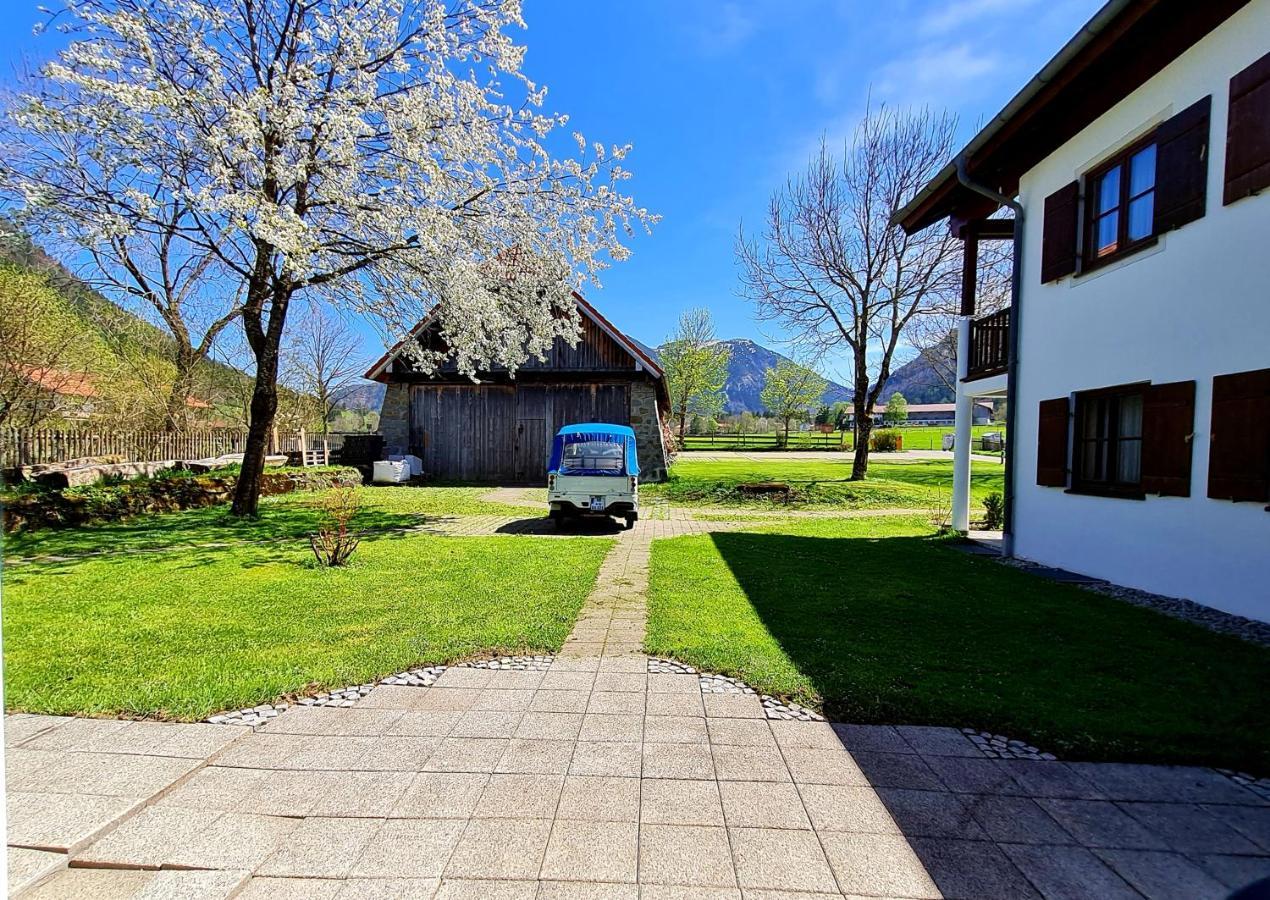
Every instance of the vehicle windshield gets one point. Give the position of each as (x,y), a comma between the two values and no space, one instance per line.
(592,457)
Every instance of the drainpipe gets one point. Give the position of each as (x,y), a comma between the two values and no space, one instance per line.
(1012,364)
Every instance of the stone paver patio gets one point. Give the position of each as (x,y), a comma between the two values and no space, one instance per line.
(595,778)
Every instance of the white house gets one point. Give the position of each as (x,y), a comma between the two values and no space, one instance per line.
(1136,352)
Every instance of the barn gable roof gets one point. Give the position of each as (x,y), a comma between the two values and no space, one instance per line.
(380,370)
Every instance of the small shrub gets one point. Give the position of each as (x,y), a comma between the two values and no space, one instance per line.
(994,507)
(940,511)
(334,543)
(886,441)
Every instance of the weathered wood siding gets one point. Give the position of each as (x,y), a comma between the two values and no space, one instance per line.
(594,352)
(502,433)
(465,433)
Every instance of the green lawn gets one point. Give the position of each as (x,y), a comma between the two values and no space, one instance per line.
(823,483)
(884,623)
(284,516)
(186,633)
(916,437)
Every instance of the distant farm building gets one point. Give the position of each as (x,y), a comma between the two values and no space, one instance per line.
(499,428)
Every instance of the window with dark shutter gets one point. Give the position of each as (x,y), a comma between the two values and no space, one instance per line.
(1168,424)
(1248,132)
(1059,238)
(1107,443)
(1239,443)
(1181,167)
(1051,440)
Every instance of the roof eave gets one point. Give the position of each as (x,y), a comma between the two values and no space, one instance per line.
(925,209)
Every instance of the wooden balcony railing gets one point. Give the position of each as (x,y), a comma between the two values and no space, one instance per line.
(989,345)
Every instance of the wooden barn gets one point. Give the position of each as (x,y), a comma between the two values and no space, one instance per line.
(499,429)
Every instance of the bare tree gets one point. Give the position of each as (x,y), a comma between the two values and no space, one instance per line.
(832,270)
(323,359)
(40,349)
(147,248)
(934,330)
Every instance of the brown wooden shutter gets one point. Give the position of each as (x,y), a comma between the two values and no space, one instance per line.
(1051,443)
(1168,426)
(1181,167)
(1239,445)
(1248,132)
(1059,238)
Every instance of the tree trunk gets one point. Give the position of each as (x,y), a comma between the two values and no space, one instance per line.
(860,463)
(264,405)
(176,416)
(265,342)
(683,419)
(786,444)
(864,422)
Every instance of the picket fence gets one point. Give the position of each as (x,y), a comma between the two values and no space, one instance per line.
(31,446)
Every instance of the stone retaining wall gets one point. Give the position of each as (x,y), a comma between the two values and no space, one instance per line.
(646,421)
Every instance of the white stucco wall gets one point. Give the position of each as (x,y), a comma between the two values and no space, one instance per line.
(1194,306)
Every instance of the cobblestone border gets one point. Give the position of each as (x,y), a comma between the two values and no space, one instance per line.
(723,684)
(1259,786)
(1179,608)
(998,746)
(668,667)
(344,697)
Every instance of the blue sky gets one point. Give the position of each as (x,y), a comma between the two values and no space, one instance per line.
(723,99)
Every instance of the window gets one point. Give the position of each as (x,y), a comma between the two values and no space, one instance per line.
(1107,456)
(593,457)
(1121,204)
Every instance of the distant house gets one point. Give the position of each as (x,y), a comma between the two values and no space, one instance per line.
(936,413)
(933,414)
(1136,165)
(67,395)
(499,429)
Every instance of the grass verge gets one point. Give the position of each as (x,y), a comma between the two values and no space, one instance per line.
(822,483)
(284,516)
(884,623)
(191,632)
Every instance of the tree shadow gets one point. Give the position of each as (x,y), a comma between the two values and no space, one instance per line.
(905,630)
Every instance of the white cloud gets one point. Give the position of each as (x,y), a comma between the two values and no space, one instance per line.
(937,76)
(946,17)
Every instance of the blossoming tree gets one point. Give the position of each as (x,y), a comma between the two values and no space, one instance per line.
(382,156)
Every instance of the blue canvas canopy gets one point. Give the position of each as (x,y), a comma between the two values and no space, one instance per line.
(597,432)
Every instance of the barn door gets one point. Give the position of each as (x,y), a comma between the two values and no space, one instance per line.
(532,404)
(531,450)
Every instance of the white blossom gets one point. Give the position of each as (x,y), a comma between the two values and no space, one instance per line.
(383,154)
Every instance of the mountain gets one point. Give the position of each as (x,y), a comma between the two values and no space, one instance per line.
(127,358)
(746,370)
(749,362)
(361,394)
(918,382)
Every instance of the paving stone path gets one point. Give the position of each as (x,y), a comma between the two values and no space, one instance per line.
(593,778)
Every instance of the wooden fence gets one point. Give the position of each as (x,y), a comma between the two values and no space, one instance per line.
(30,446)
(798,440)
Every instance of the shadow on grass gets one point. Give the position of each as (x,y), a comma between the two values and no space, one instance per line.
(192,528)
(903,630)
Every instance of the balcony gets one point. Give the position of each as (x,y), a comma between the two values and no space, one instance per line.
(989,345)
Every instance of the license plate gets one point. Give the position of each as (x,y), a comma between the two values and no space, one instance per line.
(597,504)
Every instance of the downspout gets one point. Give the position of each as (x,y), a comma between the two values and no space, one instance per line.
(1012,363)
